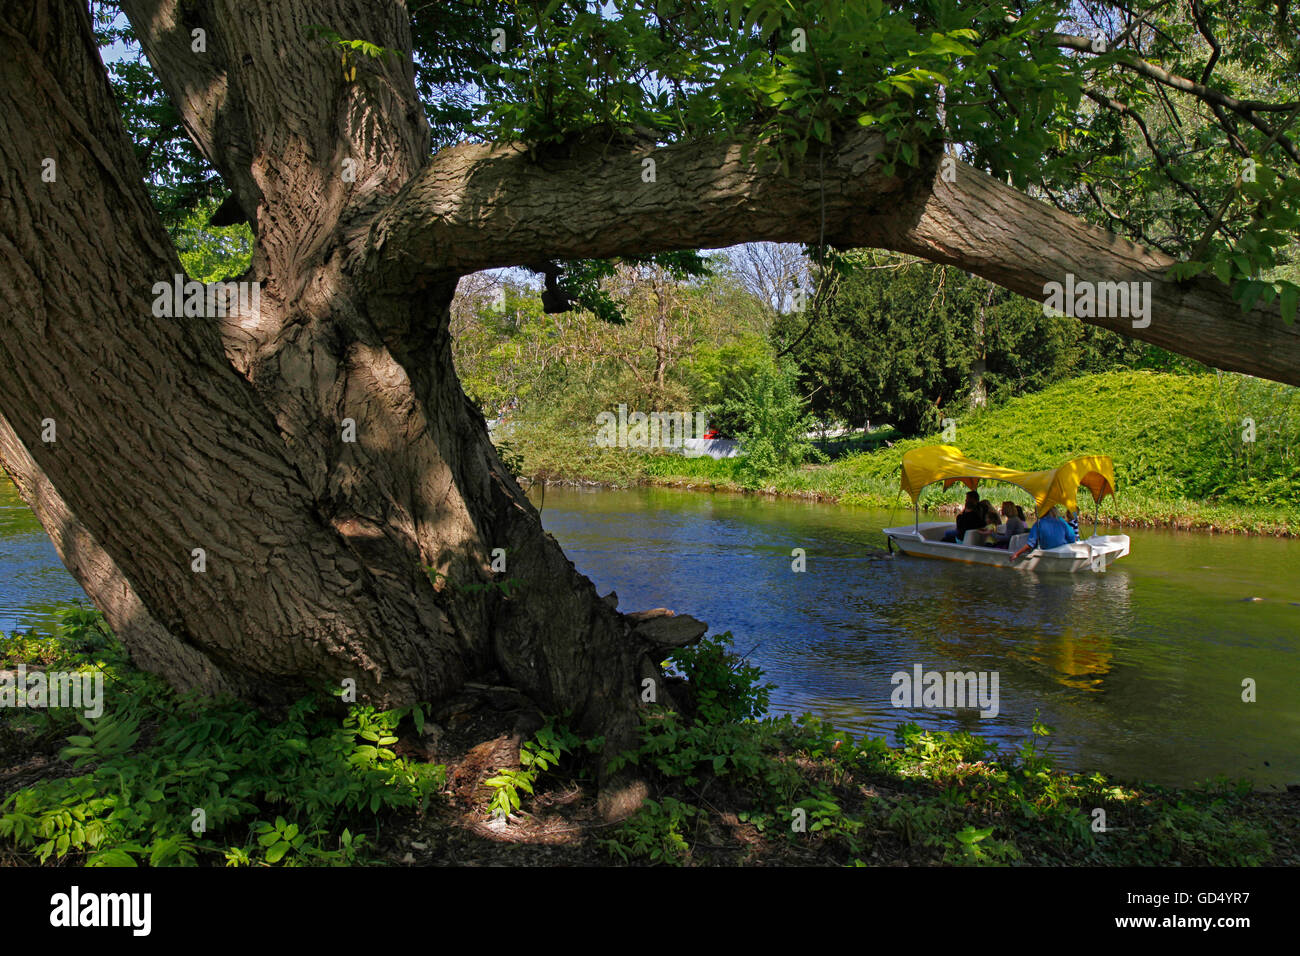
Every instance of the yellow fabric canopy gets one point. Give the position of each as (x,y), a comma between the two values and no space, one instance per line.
(1055,486)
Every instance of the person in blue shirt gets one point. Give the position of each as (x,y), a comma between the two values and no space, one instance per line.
(1049,531)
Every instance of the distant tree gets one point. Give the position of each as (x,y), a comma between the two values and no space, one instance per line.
(772,420)
(773,272)
(716,374)
(902,340)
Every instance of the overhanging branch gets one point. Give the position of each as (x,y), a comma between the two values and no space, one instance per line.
(477,207)
(985,227)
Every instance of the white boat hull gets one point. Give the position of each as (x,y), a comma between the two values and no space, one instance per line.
(1092,554)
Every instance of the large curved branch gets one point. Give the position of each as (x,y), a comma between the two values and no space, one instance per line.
(275,109)
(986,227)
(478,207)
(198,86)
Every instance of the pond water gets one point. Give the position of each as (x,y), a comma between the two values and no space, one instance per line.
(33,582)
(1139,670)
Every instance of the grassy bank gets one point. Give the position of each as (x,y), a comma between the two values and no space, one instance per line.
(1176,441)
(164,780)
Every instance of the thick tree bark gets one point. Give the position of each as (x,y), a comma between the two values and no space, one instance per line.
(227,434)
(477,207)
(985,227)
(162,448)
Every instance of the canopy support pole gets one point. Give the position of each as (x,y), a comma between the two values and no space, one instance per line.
(1096,507)
(916,516)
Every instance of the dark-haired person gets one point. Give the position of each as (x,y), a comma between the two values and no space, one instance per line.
(968,520)
(988,526)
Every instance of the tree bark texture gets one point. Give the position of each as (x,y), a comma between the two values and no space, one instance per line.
(226,434)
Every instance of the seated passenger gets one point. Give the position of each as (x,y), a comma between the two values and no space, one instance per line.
(988,526)
(1049,531)
(968,519)
(1014,525)
(1015,519)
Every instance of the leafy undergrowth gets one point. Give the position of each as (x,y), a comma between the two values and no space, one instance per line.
(733,789)
(726,786)
(165,779)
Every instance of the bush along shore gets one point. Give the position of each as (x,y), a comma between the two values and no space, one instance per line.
(1204,452)
(166,780)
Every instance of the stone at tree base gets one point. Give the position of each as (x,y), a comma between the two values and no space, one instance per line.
(663,630)
(639,616)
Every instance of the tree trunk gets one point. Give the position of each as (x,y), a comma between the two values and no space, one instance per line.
(202,486)
(229,434)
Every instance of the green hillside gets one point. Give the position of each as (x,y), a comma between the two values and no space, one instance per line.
(1176,441)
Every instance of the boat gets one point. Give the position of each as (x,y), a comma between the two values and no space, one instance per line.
(1055,486)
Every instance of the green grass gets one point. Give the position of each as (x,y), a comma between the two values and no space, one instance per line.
(1175,440)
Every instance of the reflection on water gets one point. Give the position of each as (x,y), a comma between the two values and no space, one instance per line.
(1139,670)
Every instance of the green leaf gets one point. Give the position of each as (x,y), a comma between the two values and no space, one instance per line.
(1288,296)
(113,857)
(1223,270)
(970,835)
(277,852)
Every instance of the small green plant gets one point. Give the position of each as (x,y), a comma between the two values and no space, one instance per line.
(974,845)
(726,686)
(653,833)
(110,736)
(827,817)
(505,587)
(279,839)
(537,756)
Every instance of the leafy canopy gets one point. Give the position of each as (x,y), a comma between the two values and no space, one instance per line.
(1171,123)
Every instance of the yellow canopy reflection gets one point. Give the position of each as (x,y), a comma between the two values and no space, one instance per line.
(1055,486)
